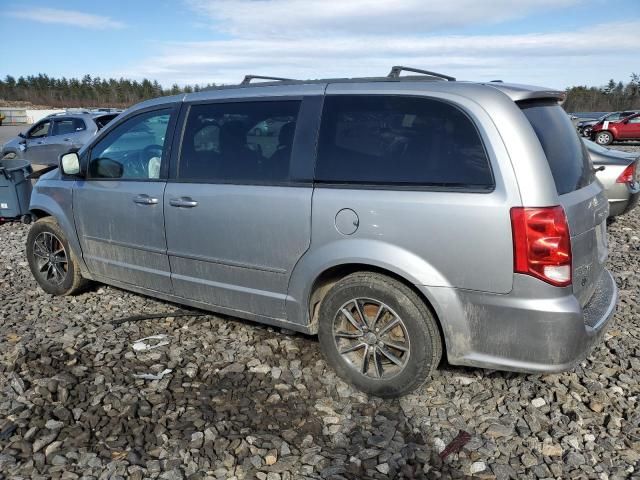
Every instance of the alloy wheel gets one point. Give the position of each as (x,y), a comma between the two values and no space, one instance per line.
(603,138)
(372,338)
(50,258)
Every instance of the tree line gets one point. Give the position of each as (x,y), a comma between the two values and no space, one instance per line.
(611,97)
(90,91)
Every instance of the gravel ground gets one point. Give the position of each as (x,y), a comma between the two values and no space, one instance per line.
(243,400)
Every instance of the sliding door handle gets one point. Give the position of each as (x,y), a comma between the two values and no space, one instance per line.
(144,199)
(183,202)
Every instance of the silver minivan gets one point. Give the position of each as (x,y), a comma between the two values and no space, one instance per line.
(55,134)
(399,218)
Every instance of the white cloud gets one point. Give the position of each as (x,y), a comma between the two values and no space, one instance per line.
(67,17)
(287,18)
(556,59)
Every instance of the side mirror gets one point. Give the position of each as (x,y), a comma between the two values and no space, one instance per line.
(105,168)
(22,135)
(70,164)
(626,120)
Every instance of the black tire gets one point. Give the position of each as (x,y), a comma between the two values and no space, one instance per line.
(603,137)
(417,328)
(45,238)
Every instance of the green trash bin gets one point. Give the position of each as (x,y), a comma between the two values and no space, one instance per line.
(15,188)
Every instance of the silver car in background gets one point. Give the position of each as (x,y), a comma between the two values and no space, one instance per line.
(400,218)
(618,172)
(55,134)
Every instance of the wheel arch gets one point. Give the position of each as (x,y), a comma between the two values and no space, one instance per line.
(329,277)
(8,151)
(43,206)
(39,213)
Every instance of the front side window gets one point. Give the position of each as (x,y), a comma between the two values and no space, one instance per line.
(238,142)
(634,120)
(394,140)
(132,150)
(67,126)
(40,130)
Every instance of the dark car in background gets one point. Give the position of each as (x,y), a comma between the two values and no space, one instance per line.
(55,134)
(618,173)
(584,126)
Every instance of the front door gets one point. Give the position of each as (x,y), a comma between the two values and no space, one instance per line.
(236,224)
(118,208)
(36,143)
(631,129)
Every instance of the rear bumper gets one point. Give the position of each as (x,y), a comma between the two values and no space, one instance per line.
(535,328)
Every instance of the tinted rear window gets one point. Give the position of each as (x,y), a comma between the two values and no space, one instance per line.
(67,126)
(566,154)
(245,142)
(395,140)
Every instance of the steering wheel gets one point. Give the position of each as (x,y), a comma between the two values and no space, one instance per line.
(139,168)
(150,150)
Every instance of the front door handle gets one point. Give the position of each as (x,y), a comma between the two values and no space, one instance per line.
(144,199)
(184,202)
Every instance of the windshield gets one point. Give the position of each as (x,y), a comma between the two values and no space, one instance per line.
(567,155)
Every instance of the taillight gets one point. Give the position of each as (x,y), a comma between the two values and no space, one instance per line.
(628,175)
(541,244)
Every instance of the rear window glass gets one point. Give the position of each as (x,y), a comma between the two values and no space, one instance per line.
(67,126)
(245,142)
(395,140)
(566,154)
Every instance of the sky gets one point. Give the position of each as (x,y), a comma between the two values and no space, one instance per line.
(554,43)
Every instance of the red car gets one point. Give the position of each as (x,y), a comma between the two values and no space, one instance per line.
(605,133)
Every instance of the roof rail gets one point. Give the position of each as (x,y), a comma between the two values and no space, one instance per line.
(247,79)
(395,73)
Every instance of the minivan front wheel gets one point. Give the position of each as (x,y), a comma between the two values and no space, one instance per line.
(378,334)
(52,263)
(604,138)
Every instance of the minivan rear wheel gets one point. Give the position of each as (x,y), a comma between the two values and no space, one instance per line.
(378,334)
(52,263)
(604,138)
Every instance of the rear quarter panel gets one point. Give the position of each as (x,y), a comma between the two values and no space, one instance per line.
(431,238)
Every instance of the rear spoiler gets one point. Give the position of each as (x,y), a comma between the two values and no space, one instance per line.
(519,93)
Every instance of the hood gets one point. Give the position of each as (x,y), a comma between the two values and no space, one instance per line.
(14,143)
